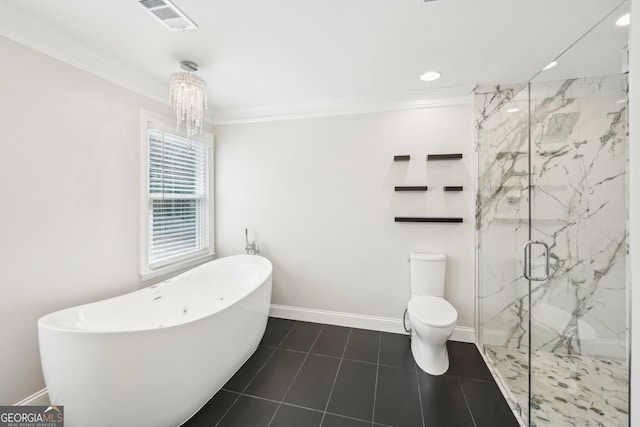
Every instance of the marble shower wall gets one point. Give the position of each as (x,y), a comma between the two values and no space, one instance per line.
(501,216)
(578,206)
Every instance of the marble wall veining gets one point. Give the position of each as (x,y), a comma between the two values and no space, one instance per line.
(574,197)
(501,215)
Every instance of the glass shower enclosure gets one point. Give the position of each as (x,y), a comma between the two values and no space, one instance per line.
(552,298)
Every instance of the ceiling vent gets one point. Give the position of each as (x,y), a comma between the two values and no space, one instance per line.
(168,14)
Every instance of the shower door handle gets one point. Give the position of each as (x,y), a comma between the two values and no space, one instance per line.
(526,265)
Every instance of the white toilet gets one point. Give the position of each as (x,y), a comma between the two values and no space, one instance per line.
(432,318)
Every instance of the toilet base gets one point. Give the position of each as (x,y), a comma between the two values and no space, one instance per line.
(433,361)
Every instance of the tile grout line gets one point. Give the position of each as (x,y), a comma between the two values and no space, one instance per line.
(415,369)
(276,401)
(375,385)
(475,379)
(464,395)
(304,407)
(342,358)
(288,333)
(245,388)
(296,375)
(228,409)
(359,419)
(254,376)
(335,379)
(466,401)
(258,371)
(385,365)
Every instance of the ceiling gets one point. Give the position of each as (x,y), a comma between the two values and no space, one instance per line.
(259,55)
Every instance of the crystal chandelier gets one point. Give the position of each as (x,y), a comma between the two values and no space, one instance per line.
(188,94)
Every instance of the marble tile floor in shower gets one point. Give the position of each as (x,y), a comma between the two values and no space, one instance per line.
(311,375)
(566,390)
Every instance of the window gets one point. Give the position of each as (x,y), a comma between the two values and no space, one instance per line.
(176,206)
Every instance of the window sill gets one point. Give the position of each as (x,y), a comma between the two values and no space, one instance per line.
(168,269)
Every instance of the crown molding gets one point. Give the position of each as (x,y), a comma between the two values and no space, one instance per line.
(22,29)
(461,95)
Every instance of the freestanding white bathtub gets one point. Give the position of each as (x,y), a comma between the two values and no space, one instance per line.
(155,356)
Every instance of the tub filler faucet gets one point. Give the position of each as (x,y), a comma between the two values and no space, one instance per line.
(250,247)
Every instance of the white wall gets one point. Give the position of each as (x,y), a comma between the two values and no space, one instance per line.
(69,185)
(318,195)
(634,207)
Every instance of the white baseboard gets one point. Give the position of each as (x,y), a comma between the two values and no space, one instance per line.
(464,334)
(360,321)
(39,398)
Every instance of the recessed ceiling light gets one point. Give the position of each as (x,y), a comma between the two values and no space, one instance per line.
(430,76)
(513,110)
(624,20)
(550,65)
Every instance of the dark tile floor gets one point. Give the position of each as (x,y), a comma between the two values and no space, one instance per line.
(311,375)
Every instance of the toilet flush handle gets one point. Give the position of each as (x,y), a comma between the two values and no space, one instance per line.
(404,321)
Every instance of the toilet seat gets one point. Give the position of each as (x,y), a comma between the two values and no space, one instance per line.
(431,311)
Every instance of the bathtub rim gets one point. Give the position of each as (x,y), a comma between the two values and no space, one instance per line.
(51,321)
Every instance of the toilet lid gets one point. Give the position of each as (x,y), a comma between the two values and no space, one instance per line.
(432,311)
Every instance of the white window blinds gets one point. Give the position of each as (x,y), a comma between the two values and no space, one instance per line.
(178,199)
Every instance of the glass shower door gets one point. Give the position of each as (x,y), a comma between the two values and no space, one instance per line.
(578,208)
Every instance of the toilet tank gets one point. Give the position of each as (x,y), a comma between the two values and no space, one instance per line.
(427,274)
